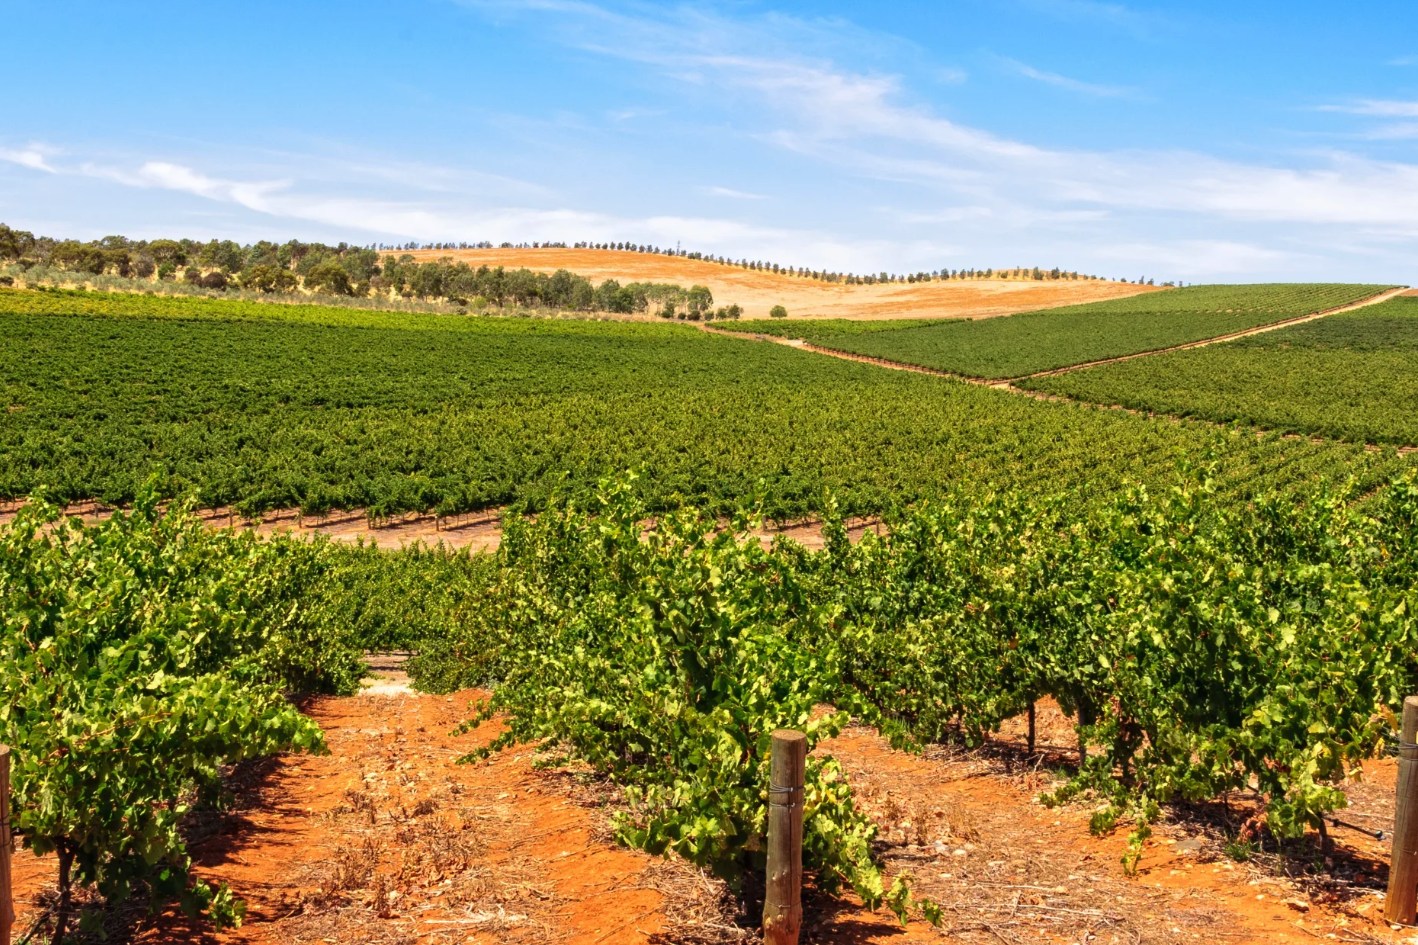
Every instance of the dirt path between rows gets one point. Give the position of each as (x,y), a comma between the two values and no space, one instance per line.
(1232,336)
(1010,385)
(802,345)
(388,839)
(476,532)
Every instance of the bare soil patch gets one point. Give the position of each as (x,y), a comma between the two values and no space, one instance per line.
(759,291)
(969,828)
(390,840)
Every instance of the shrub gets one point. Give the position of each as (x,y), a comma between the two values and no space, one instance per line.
(141,656)
(664,657)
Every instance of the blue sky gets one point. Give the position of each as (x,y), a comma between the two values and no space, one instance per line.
(1199,141)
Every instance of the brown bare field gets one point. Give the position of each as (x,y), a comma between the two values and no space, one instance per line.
(758,291)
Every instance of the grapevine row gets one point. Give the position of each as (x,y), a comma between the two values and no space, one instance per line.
(1347,376)
(1017,345)
(266,407)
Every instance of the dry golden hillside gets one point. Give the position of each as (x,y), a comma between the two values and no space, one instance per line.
(757,291)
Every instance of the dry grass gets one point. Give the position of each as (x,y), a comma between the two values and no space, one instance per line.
(418,864)
(759,291)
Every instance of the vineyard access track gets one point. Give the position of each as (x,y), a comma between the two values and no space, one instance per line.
(1010,384)
(1231,336)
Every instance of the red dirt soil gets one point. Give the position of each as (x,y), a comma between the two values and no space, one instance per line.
(759,291)
(477,531)
(389,839)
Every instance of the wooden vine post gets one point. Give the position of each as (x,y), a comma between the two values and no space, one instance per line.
(7,898)
(783,899)
(1399,905)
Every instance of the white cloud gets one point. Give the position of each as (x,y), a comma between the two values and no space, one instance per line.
(865,122)
(1117,15)
(621,115)
(444,220)
(1186,259)
(164,175)
(35,157)
(1402,61)
(902,172)
(1402,129)
(1395,131)
(1064,82)
(1378,108)
(731,193)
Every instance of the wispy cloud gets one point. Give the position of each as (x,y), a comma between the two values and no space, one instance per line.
(865,122)
(1188,258)
(731,193)
(1377,108)
(34,156)
(782,107)
(164,175)
(1065,82)
(1118,15)
(356,212)
(1403,61)
(620,115)
(1394,131)
(1401,115)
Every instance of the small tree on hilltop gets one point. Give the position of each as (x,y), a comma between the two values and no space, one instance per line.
(778,311)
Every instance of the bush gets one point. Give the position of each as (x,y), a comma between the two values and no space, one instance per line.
(141,656)
(664,657)
(778,311)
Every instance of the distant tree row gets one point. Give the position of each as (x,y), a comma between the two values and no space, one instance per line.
(936,275)
(365,271)
(562,290)
(295,267)
(215,264)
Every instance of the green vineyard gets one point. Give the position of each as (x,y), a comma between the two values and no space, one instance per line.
(1201,647)
(604,472)
(1017,345)
(1348,376)
(334,409)
(1215,611)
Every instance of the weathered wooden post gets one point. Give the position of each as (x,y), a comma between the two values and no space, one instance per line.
(1403,867)
(7,898)
(783,898)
